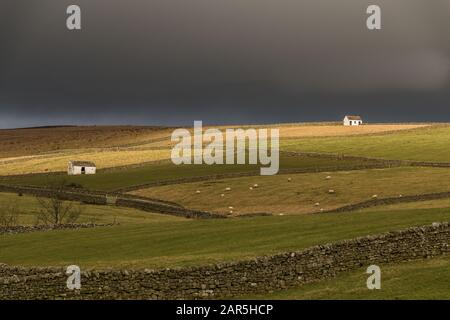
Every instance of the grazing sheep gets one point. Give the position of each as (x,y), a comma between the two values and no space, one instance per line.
(255,185)
(289,179)
(331,191)
(375,196)
(328,177)
(317,204)
(222,195)
(231,208)
(251,188)
(321,209)
(198,191)
(227,189)
(231,211)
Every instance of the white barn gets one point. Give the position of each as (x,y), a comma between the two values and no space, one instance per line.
(352,121)
(81,167)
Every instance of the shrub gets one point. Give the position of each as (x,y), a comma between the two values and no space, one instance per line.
(9,215)
(74,185)
(54,210)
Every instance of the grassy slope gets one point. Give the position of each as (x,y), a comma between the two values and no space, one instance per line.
(114,179)
(199,242)
(276,195)
(425,279)
(28,207)
(102,159)
(22,142)
(425,144)
(431,204)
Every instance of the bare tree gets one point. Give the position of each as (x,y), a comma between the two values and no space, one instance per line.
(54,210)
(9,215)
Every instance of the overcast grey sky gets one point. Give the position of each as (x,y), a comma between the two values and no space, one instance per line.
(222,61)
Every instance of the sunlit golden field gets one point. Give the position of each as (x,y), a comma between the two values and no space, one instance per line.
(58,162)
(307,131)
(305,193)
(340,130)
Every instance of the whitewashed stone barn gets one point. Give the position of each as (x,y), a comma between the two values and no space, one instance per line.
(352,121)
(81,167)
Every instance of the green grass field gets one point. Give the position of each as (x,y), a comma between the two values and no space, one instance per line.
(196,242)
(424,144)
(277,195)
(430,204)
(119,178)
(423,279)
(28,208)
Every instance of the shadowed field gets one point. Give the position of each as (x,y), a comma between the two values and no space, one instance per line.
(33,141)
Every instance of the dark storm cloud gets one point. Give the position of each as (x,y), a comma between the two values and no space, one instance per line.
(173,61)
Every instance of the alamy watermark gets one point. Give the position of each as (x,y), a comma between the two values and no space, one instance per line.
(374,281)
(231,146)
(74,277)
(73,21)
(373,22)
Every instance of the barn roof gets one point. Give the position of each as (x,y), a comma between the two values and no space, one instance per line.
(82,163)
(353,117)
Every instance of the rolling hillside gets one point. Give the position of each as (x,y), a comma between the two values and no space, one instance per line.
(197,242)
(312,180)
(34,141)
(43,150)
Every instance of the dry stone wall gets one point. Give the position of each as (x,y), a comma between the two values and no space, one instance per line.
(36,228)
(391,200)
(260,275)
